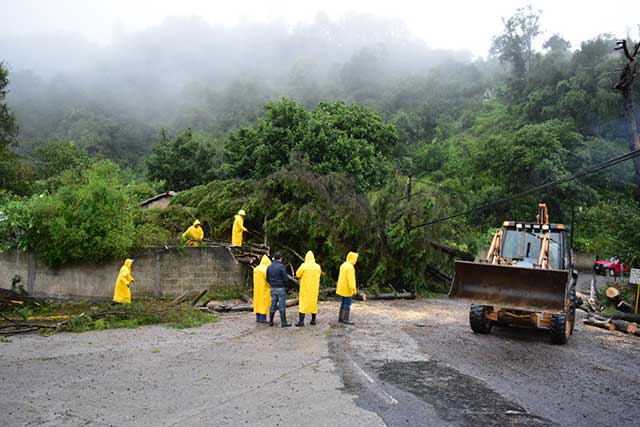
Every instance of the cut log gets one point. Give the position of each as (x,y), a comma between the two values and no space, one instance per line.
(198,298)
(180,299)
(626,316)
(624,326)
(612,293)
(599,324)
(392,296)
(235,308)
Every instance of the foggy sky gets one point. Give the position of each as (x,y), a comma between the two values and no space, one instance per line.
(449,24)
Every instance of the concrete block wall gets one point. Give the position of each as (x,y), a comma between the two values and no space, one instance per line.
(159,273)
(584,260)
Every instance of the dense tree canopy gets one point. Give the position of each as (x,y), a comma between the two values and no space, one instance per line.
(332,136)
(335,137)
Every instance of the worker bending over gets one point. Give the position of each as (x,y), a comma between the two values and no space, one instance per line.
(194,234)
(309,275)
(261,290)
(122,291)
(238,228)
(347,286)
(278,278)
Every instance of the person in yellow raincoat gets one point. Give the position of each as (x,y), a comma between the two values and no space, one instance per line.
(261,290)
(347,286)
(122,292)
(194,234)
(309,274)
(238,228)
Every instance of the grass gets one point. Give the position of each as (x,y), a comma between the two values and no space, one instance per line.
(86,316)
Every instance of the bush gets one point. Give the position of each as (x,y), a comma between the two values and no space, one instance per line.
(88,221)
(151,236)
(611,228)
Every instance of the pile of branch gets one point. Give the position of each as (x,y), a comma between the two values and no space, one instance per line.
(235,306)
(622,320)
(190,297)
(614,324)
(12,299)
(15,327)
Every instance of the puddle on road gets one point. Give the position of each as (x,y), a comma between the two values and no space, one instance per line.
(457,398)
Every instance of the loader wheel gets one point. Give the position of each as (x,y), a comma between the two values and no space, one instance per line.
(572,307)
(560,329)
(479,324)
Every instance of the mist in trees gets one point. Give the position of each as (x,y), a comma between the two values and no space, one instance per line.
(185,72)
(299,120)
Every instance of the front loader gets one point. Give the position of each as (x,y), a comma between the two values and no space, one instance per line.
(527,279)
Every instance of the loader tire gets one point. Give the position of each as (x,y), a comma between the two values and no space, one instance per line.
(479,324)
(560,328)
(573,303)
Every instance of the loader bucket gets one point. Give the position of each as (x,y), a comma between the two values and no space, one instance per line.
(508,286)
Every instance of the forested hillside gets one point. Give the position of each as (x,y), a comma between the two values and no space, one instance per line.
(333,136)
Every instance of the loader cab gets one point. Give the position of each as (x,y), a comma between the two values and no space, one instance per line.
(521,244)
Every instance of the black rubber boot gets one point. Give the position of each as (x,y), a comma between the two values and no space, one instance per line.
(341,315)
(271,318)
(301,320)
(283,321)
(313,319)
(345,319)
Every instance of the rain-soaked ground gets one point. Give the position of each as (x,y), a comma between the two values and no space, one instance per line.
(418,363)
(404,363)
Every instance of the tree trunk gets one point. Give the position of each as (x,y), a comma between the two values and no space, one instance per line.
(624,326)
(634,141)
(626,316)
(599,324)
(612,293)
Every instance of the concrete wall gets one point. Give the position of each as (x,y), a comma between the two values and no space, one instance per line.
(584,260)
(159,273)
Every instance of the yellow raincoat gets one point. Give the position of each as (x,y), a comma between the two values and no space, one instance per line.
(194,234)
(309,275)
(261,289)
(236,231)
(122,292)
(347,277)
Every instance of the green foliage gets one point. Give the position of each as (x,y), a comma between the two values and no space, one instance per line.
(324,213)
(16,220)
(57,157)
(16,175)
(611,228)
(8,124)
(174,219)
(101,317)
(87,220)
(515,44)
(335,137)
(183,162)
(151,236)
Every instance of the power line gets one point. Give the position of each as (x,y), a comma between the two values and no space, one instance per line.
(597,168)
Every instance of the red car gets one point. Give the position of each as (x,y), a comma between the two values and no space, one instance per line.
(613,267)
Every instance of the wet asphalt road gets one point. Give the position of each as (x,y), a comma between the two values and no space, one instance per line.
(418,363)
(404,363)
